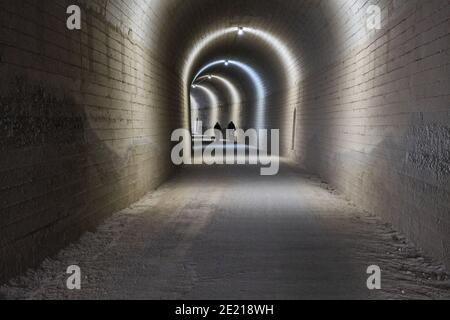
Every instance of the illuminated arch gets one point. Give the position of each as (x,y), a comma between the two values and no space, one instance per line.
(285,55)
(214,103)
(236,99)
(256,79)
(194,115)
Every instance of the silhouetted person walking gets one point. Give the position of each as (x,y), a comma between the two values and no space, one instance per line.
(218,127)
(231,126)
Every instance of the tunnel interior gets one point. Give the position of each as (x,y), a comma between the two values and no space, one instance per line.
(87,114)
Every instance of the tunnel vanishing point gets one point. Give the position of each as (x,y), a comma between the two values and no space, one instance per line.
(92,90)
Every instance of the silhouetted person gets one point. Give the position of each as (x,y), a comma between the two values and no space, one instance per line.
(231,126)
(218,127)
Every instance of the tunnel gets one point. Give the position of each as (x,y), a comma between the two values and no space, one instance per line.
(351,98)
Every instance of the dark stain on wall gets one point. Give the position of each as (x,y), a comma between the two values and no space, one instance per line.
(31,116)
(44,153)
(430,145)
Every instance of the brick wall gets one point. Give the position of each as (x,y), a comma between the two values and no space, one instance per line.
(85,120)
(374,118)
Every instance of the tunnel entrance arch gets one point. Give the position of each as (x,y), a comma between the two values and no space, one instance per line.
(252,75)
(276,46)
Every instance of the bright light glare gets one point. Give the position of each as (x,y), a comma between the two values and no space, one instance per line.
(257,81)
(194,103)
(214,104)
(289,60)
(194,115)
(236,99)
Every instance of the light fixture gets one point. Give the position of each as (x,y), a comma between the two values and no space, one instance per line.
(227,62)
(209,77)
(240,31)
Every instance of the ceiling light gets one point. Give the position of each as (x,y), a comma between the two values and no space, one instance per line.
(240,31)
(227,62)
(209,77)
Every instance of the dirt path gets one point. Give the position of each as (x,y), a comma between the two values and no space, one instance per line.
(228,233)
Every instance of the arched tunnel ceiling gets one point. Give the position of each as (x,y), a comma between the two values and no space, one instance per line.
(308,29)
(251,70)
(284,39)
(230,88)
(292,23)
(273,45)
(236,76)
(249,51)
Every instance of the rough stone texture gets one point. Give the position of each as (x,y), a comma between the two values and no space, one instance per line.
(375,122)
(85,117)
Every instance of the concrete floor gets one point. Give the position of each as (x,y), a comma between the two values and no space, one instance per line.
(228,233)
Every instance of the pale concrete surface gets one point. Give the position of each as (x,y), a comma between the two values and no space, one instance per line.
(228,233)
